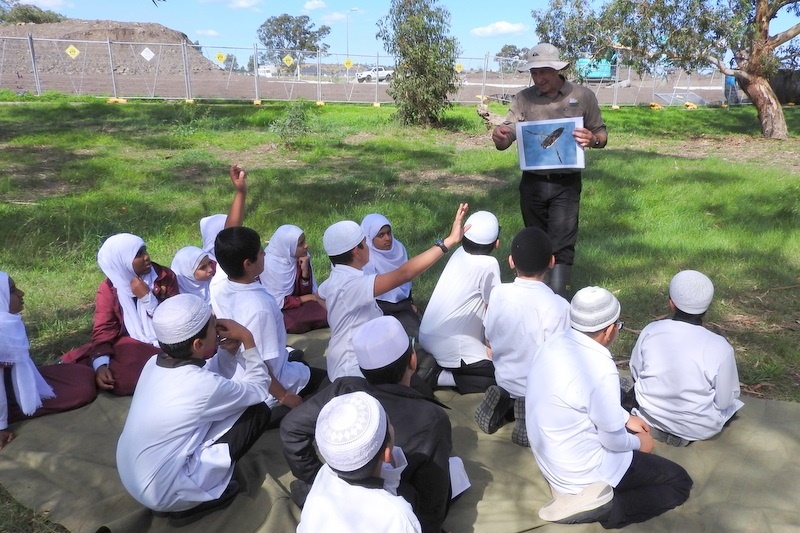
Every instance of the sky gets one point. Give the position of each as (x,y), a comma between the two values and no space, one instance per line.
(233,23)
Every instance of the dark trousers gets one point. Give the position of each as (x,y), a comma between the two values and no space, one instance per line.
(315,382)
(246,430)
(473,378)
(551,203)
(652,485)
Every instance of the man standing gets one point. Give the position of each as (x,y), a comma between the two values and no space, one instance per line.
(549,200)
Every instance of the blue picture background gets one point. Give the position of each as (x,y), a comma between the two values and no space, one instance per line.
(564,147)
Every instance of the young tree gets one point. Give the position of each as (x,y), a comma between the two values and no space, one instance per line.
(687,34)
(285,33)
(512,56)
(416,33)
(231,63)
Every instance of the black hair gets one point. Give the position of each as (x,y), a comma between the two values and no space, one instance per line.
(688,317)
(391,373)
(347,257)
(368,470)
(473,248)
(531,250)
(235,245)
(183,349)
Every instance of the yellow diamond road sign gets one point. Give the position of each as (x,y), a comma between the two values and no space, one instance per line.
(348,63)
(220,57)
(72,52)
(288,60)
(459,67)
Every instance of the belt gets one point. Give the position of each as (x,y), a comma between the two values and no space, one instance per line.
(551,176)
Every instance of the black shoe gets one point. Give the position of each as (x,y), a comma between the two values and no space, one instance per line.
(184,518)
(428,369)
(520,434)
(491,413)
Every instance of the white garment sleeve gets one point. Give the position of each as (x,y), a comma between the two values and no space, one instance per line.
(635,364)
(100,361)
(618,441)
(606,413)
(726,384)
(223,363)
(262,326)
(490,281)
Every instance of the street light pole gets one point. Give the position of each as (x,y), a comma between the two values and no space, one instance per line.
(347,40)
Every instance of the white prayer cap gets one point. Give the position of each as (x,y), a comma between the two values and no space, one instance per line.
(691,292)
(593,309)
(484,228)
(351,430)
(180,318)
(380,342)
(342,237)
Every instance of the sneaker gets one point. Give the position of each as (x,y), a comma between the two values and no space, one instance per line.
(184,518)
(668,438)
(520,434)
(491,413)
(589,505)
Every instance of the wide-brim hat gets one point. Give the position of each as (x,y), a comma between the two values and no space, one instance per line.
(543,56)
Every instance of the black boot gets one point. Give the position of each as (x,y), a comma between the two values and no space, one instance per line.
(561,280)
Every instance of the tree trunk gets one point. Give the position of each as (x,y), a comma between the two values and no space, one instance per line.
(770,112)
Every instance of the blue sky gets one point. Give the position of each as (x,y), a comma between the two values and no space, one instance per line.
(479,28)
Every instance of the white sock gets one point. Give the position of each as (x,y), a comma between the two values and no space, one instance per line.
(446,379)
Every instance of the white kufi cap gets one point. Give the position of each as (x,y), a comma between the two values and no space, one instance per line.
(380,342)
(341,237)
(351,430)
(691,292)
(593,309)
(180,318)
(484,227)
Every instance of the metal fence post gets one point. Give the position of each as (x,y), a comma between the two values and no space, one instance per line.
(33,62)
(186,71)
(319,77)
(111,62)
(483,82)
(255,69)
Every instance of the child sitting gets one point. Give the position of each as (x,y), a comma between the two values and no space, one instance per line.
(194,269)
(243,298)
(25,390)
(289,278)
(356,490)
(386,253)
(190,419)
(452,326)
(123,338)
(349,295)
(685,378)
(520,317)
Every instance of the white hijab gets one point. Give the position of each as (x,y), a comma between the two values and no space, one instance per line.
(280,264)
(210,226)
(30,388)
(115,258)
(185,262)
(382,261)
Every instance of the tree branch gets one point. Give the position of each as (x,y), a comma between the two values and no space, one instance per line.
(784,36)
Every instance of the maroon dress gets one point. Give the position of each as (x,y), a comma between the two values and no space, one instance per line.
(301,317)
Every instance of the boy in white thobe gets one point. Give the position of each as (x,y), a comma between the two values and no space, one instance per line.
(189,420)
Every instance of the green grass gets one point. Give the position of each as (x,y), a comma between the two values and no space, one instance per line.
(675,189)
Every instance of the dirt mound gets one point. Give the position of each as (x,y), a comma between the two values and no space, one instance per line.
(50,43)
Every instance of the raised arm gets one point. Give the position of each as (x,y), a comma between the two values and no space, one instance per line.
(237,210)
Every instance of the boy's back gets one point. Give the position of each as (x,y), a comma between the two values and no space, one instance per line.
(452,326)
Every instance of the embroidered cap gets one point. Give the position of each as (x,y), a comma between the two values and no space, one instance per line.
(543,55)
(341,237)
(380,342)
(593,309)
(484,227)
(691,292)
(351,430)
(180,318)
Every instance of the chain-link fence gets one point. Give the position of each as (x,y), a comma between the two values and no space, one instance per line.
(185,71)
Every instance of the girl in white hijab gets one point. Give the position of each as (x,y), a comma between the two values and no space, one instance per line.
(289,278)
(25,391)
(123,338)
(386,253)
(194,270)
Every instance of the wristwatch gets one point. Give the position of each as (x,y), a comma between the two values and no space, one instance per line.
(440,244)
(596,143)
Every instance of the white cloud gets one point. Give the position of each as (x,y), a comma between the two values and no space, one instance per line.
(208,33)
(313,4)
(244,4)
(497,28)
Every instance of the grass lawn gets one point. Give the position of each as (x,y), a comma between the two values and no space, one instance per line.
(675,189)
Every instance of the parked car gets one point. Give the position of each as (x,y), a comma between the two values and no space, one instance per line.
(375,73)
